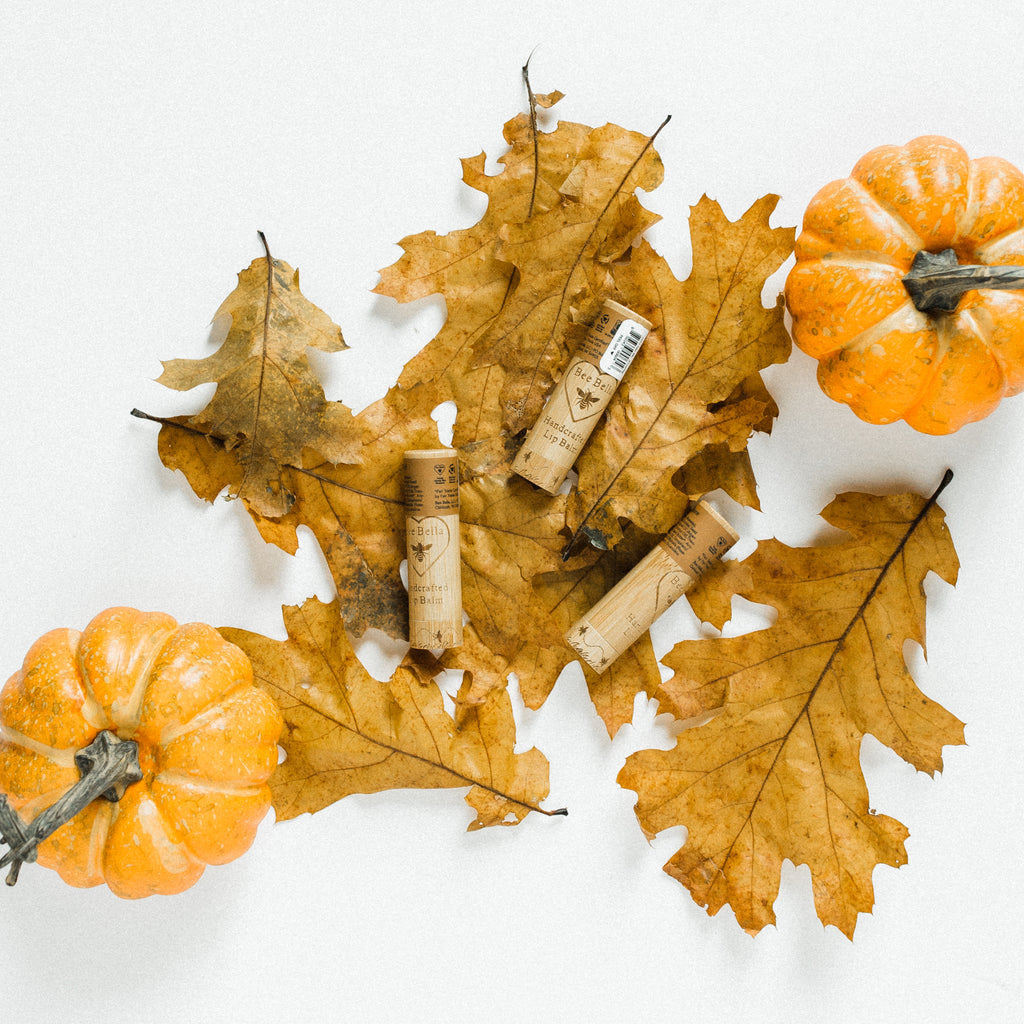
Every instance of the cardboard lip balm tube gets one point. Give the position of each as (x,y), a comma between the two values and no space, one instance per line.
(431,488)
(687,551)
(581,396)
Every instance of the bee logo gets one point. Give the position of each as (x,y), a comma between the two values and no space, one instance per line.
(585,399)
(419,552)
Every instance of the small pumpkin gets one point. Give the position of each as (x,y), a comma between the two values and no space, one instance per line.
(907,281)
(160,719)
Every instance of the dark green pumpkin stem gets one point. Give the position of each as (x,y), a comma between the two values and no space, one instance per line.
(936,281)
(108,766)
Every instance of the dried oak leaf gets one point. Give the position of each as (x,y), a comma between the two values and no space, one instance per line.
(346,732)
(563,259)
(269,405)
(510,534)
(482,671)
(463,268)
(690,387)
(719,467)
(775,775)
(555,601)
(509,530)
(355,511)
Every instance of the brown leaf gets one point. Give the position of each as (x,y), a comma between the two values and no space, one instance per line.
(775,775)
(562,258)
(269,405)
(355,511)
(556,601)
(482,671)
(510,534)
(346,732)
(717,466)
(683,392)
(462,267)
(207,464)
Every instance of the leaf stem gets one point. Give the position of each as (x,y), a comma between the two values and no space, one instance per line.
(533,132)
(266,247)
(213,439)
(947,478)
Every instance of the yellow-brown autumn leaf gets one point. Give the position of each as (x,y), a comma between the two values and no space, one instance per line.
(510,530)
(775,775)
(563,259)
(355,511)
(683,393)
(557,599)
(346,732)
(717,466)
(462,266)
(269,405)
(511,533)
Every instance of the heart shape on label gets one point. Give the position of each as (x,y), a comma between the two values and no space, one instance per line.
(671,586)
(583,393)
(426,542)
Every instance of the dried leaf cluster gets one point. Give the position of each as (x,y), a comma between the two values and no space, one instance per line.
(562,231)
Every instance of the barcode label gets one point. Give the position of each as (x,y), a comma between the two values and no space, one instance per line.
(621,349)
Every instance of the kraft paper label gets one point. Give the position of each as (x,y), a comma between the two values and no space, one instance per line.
(698,540)
(431,483)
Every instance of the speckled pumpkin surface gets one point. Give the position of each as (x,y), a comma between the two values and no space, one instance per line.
(207,740)
(877,351)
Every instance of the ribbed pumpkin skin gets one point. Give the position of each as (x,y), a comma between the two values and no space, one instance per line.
(207,746)
(876,352)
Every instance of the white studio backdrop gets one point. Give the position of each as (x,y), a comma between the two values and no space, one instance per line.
(143,148)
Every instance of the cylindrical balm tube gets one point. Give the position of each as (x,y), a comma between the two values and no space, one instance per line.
(583,393)
(687,551)
(431,488)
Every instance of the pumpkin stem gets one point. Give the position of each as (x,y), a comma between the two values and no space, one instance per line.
(936,281)
(108,766)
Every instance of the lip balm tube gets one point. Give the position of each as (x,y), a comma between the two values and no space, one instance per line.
(687,551)
(581,395)
(431,488)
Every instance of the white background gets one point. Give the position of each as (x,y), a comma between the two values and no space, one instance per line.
(143,146)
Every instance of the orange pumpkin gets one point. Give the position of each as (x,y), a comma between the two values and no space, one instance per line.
(899,289)
(177,705)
